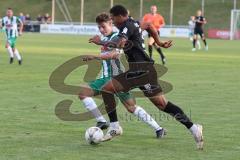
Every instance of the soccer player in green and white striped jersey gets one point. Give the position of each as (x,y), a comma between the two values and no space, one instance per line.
(10,26)
(111,66)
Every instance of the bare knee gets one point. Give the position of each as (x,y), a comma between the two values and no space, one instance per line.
(159,101)
(161,106)
(130,105)
(131,109)
(81,96)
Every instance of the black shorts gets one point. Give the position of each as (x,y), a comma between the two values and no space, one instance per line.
(140,75)
(151,36)
(198,31)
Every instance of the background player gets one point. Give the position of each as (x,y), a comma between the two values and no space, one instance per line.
(198,30)
(141,73)
(10,24)
(191,24)
(158,22)
(111,66)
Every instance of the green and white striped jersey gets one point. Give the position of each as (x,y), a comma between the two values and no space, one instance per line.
(10,26)
(110,67)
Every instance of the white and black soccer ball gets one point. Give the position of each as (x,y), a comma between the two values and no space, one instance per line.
(94,135)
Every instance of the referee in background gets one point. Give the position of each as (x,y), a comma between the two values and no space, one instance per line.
(158,22)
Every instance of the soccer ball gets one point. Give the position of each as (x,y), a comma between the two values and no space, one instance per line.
(93,135)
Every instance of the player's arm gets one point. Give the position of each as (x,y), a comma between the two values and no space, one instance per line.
(152,31)
(162,21)
(20,26)
(111,55)
(203,21)
(1,23)
(118,41)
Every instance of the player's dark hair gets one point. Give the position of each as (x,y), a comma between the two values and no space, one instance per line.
(9,8)
(119,10)
(103,17)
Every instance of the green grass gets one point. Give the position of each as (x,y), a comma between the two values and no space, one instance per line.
(216,11)
(206,85)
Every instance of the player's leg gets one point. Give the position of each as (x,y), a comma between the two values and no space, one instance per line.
(10,50)
(129,103)
(154,92)
(150,46)
(161,103)
(191,36)
(85,96)
(194,41)
(15,51)
(159,50)
(108,90)
(114,127)
(198,44)
(204,40)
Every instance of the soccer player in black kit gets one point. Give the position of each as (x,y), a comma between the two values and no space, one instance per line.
(141,73)
(198,30)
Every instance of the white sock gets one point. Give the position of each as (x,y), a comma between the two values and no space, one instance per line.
(90,105)
(199,44)
(10,51)
(17,54)
(194,129)
(145,117)
(114,124)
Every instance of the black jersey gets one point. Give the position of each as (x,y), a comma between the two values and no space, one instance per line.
(135,47)
(201,19)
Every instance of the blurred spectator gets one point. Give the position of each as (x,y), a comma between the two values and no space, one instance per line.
(47,18)
(28,25)
(28,18)
(39,18)
(22,17)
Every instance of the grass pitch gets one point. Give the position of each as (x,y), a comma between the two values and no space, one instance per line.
(206,86)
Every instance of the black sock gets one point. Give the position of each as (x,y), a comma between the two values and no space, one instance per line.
(194,43)
(160,53)
(110,106)
(150,50)
(205,42)
(178,114)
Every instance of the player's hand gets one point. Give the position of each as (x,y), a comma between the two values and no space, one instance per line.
(144,25)
(167,44)
(88,58)
(96,40)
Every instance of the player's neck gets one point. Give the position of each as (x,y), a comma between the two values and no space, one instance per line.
(124,19)
(110,34)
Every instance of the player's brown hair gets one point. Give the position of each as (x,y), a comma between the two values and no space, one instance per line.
(103,17)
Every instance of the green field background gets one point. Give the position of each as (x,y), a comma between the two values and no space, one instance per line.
(206,85)
(217,12)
